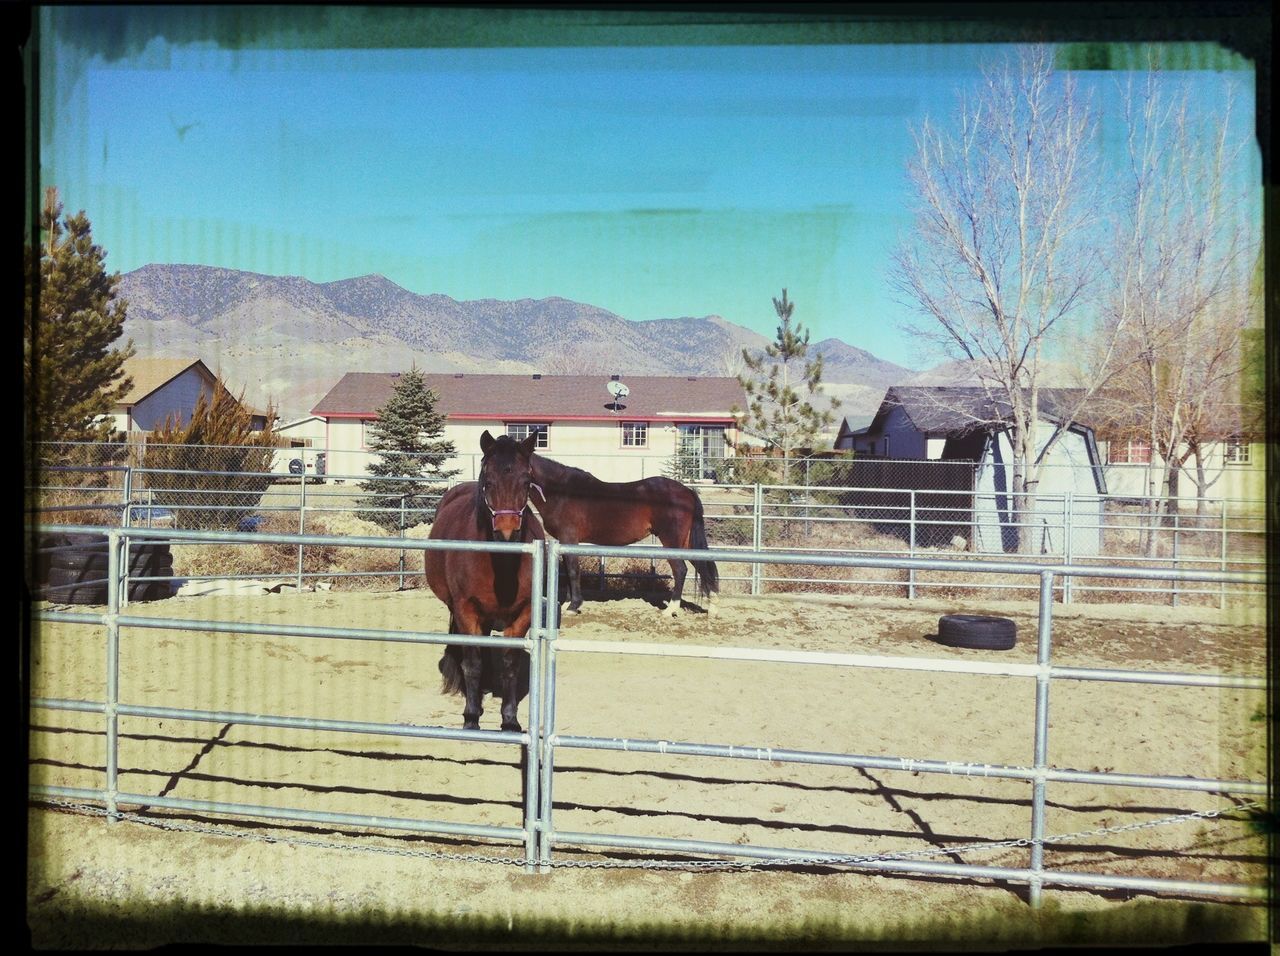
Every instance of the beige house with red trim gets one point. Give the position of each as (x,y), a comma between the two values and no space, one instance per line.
(576,417)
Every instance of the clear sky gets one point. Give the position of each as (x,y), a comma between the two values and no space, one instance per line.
(652,181)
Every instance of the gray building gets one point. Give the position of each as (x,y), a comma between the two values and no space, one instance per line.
(970,423)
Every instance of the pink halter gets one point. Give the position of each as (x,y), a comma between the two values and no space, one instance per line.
(506,511)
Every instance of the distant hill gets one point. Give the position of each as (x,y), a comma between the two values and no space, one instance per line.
(288,339)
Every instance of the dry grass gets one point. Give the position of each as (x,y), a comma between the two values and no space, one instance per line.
(322,563)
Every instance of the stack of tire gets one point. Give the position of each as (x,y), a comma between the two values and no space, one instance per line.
(72,569)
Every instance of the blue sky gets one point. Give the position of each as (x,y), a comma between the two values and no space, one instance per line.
(655,182)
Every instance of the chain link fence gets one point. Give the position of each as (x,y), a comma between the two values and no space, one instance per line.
(862,506)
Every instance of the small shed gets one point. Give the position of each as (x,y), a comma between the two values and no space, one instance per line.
(969,423)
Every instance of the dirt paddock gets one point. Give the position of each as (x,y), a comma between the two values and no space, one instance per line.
(93,883)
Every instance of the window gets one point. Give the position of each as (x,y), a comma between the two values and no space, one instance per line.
(1129,453)
(366,426)
(635,434)
(1237,452)
(700,450)
(522,430)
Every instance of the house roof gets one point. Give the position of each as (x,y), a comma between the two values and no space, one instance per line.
(149,374)
(952,410)
(551,397)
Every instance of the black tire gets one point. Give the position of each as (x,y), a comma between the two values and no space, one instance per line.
(150,591)
(71,587)
(85,587)
(978,631)
(88,573)
(139,561)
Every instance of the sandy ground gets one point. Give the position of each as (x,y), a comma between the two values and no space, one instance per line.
(93,883)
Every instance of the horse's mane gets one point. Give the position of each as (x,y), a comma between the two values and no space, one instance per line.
(561,474)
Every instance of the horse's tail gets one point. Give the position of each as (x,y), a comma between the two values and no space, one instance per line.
(708,576)
(451,681)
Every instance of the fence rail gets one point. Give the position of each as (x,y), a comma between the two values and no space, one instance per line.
(1224,533)
(541,741)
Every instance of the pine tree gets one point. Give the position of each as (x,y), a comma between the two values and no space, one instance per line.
(409,438)
(776,412)
(71,373)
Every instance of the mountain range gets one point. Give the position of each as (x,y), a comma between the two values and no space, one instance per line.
(287,340)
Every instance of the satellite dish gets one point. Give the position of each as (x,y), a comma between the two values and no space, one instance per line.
(618,390)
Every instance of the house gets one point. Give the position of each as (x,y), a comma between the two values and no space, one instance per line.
(577,418)
(164,387)
(966,423)
(1232,461)
(307,432)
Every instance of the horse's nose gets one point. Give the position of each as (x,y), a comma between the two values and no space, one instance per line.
(506,527)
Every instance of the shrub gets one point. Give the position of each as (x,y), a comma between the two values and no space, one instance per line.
(218,438)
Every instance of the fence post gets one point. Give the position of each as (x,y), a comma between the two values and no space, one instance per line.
(1175,557)
(302,522)
(151,505)
(911,547)
(545,721)
(114,544)
(1222,586)
(1041,755)
(542,609)
(1068,533)
(127,487)
(808,498)
(402,538)
(757,536)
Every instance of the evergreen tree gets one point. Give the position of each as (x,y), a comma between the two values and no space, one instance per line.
(409,438)
(776,410)
(71,373)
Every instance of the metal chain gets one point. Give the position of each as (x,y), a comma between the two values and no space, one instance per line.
(736,865)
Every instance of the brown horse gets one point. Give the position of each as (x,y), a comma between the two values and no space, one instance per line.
(487,591)
(577,507)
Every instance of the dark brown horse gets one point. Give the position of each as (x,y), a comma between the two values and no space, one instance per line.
(487,591)
(578,507)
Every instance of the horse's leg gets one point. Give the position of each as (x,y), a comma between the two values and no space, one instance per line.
(472,670)
(575,586)
(678,572)
(672,538)
(512,660)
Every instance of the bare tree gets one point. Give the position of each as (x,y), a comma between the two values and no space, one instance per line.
(1004,255)
(1181,294)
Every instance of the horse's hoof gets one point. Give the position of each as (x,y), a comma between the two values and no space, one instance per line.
(672,608)
(471,725)
(513,726)
(576,608)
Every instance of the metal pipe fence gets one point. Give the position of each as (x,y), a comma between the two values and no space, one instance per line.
(113,619)
(1072,528)
(541,740)
(1040,774)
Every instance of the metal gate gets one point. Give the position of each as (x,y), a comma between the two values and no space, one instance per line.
(541,741)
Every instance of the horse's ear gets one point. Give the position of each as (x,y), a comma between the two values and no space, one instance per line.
(487,442)
(527,446)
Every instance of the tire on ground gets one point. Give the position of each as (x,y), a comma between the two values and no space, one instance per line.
(141,555)
(139,563)
(66,586)
(978,631)
(71,587)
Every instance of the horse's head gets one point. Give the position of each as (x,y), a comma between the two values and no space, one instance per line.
(505,480)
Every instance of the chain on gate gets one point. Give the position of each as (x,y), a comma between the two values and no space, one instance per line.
(648,864)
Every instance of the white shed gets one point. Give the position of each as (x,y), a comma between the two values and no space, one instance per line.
(967,423)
